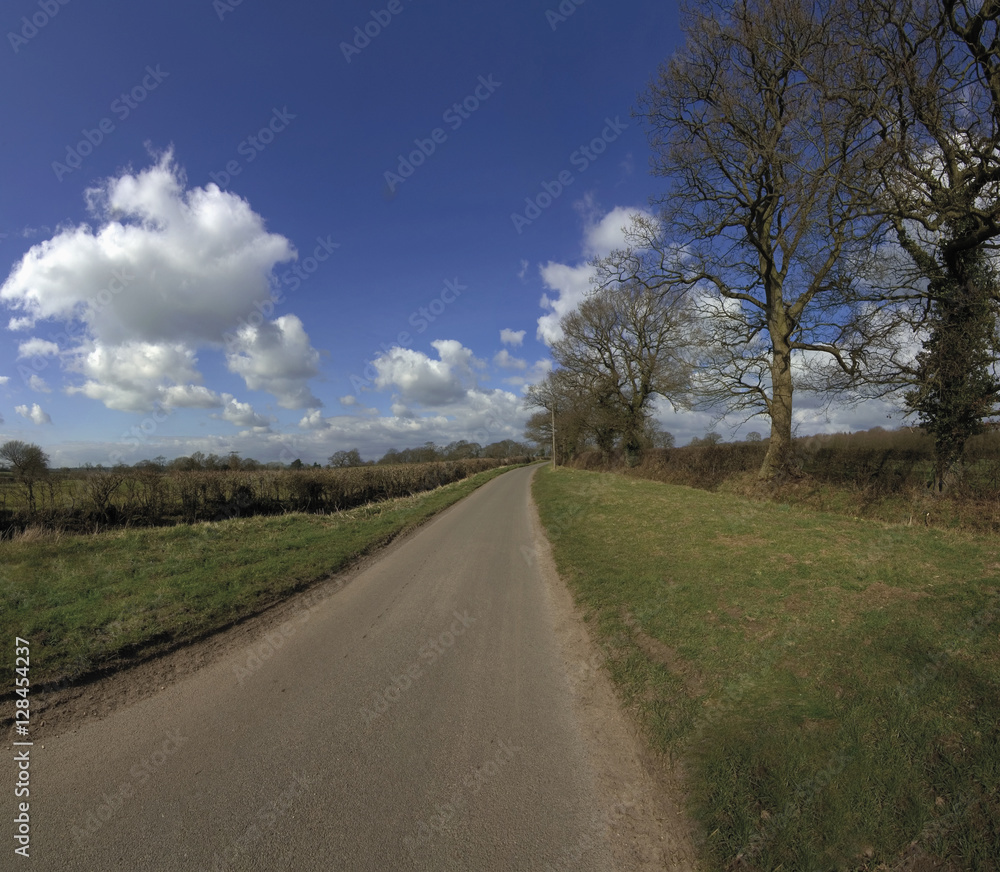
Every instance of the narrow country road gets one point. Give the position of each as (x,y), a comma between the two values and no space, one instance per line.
(419,718)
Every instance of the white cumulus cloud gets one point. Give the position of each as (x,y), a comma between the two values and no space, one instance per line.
(164,271)
(34,414)
(132,376)
(481,416)
(419,379)
(36,347)
(313,420)
(164,263)
(603,236)
(243,415)
(37,383)
(513,338)
(505,360)
(276,357)
(189,397)
(571,283)
(538,371)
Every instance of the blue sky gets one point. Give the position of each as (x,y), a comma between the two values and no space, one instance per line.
(288,229)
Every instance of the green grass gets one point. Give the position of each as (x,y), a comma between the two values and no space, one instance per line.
(89,603)
(831,686)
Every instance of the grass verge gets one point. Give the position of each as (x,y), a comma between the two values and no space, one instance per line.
(831,686)
(92,603)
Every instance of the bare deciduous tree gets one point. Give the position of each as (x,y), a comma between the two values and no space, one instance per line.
(623,346)
(100,486)
(30,464)
(342,459)
(567,400)
(757,128)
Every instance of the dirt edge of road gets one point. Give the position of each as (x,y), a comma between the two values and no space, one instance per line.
(648,828)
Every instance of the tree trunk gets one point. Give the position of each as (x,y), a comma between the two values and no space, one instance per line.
(778,460)
(948,466)
(632,437)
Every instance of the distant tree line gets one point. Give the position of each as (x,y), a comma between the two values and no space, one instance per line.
(203,487)
(30,462)
(460,450)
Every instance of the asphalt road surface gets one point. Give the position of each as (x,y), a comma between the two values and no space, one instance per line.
(419,718)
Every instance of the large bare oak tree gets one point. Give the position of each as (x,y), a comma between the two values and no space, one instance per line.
(758,129)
